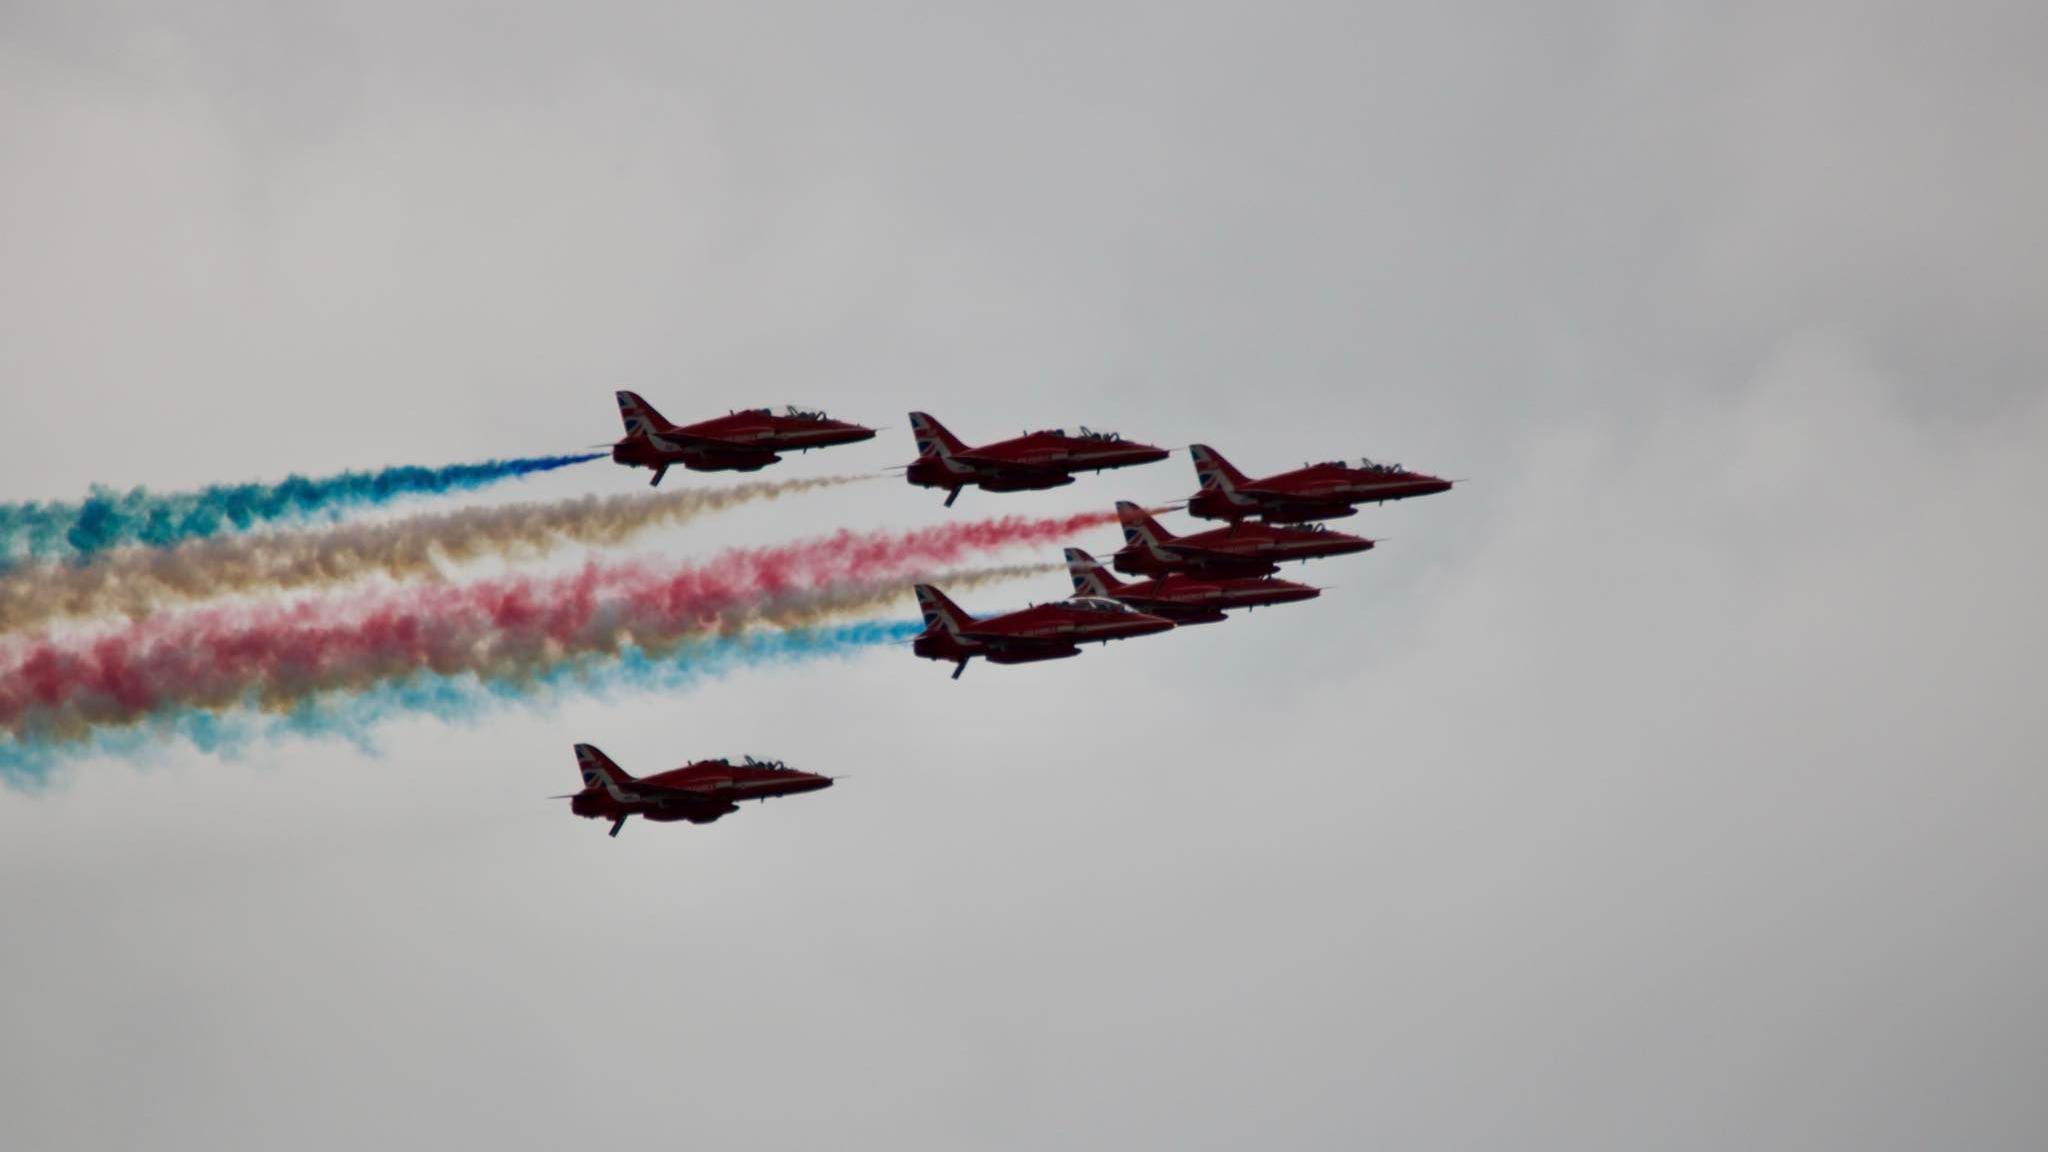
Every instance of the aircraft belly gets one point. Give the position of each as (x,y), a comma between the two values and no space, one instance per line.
(997,481)
(1030,655)
(1306,513)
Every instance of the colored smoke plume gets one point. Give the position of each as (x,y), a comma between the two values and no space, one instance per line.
(138,581)
(461,699)
(108,519)
(273,656)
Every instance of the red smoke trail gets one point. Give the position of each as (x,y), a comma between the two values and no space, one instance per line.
(501,629)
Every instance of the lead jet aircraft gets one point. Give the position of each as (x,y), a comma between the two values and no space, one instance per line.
(1027,463)
(1180,598)
(699,793)
(1252,549)
(1314,492)
(1041,632)
(747,440)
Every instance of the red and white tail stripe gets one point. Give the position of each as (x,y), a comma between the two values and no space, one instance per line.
(932,437)
(940,613)
(640,417)
(1140,529)
(1214,472)
(1090,577)
(599,771)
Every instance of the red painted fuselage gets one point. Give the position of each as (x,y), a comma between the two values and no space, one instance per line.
(1181,598)
(1041,632)
(742,441)
(1032,462)
(698,793)
(1315,492)
(1248,549)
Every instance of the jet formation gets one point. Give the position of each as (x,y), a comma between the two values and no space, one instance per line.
(1196,578)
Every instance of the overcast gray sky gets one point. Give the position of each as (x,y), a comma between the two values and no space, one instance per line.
(1677,783)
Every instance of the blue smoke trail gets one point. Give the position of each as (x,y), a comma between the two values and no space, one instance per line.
(107,518)
(28,765)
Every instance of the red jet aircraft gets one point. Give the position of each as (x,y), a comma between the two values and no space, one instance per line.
(1041,632)
(1316,492)
(744,441)
(1253,549)
(1027,463)
(700,792)
(1183,599)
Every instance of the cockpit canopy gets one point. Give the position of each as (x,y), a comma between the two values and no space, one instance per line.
(791,412)
(1100,604)
(772,765)
(1083,433)
(1362,464)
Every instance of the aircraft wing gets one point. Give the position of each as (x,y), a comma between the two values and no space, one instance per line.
(1005,464)
(675,439)
(1014,642)
(1197,552)
(1282,499)
(685,799)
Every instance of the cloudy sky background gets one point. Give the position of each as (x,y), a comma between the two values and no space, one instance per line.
(1676,783)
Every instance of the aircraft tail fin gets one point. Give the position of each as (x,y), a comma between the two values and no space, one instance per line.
(932,437)
(1215,473)
(940,613)
(599,771)
(640,416)
(1140,529)
(1090,577)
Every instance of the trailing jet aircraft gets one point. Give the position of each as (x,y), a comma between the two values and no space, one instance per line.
(1315,492)
(1183,599)
(1026,463)
(744,441)
(699,793)
(1253,549)
(1041,632)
